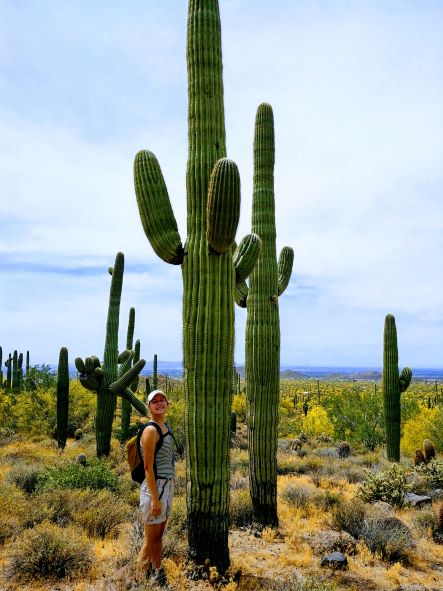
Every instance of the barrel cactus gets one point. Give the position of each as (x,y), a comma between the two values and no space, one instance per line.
(267,282)
(109,380)
(394,383)
(209,277)
(62,398)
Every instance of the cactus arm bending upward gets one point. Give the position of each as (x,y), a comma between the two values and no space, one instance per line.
(155,208)
(285,262)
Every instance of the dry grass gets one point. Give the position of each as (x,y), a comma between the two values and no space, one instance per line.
(279,557)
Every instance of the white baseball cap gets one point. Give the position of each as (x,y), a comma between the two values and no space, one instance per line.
(154,393)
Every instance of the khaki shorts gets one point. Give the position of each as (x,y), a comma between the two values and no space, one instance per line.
(165,489)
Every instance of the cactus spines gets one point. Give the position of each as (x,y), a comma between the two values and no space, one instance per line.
(428,450)
(208,281)
(106,380)
(62,398)
(393,385)
(262,357)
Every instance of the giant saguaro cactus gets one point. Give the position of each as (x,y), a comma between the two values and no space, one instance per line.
(267,282)
(393,385)
(108,380)
(209,275)
(62,398)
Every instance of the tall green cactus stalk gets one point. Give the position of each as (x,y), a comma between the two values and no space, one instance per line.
(62,398)
(267,282)
(154,373)
(126,406)
(393,386)
(1,363)
(209,276)
(108,380)
(15,378)
(8,363)
(20,372)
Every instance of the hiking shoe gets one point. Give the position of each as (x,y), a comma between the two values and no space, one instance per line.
(159,576)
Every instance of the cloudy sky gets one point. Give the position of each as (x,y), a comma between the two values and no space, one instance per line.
(357,92)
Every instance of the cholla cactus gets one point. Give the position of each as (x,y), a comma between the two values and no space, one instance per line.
(393,385)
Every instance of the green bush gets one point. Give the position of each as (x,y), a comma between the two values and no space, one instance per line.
(348,516)
(96,475)
(425,520)
(389,486)
(50,551)
(326,500)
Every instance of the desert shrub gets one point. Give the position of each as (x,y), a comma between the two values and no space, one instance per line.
(317,423)
(238,481)
(102,514)
(348,516)
(389,486)
(50,551)
(427,424)
(297,495)
(326,500)
(14,511)
(425,520)
(289,464)
(289,425)
(241,510)
(239,406)
(353,474)
(239,460)
(95,475)
(27,476)
(432,473)
(388,537)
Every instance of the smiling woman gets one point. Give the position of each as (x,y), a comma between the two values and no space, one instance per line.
(157,451)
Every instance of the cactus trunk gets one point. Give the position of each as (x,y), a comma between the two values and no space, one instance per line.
(154,373)
(393,385)
(208,300)
(262,356)
(62,398)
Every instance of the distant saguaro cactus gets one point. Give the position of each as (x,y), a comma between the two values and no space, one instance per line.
(267,282)
(15,378)
(108,380)
(393,385)
(209,276)
(62,398)
(126,406)
(1,363)
(154,373)
(8,363)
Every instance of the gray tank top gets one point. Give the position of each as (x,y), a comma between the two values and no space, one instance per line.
(165,457)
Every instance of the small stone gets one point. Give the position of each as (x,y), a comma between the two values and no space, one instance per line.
(336,561)
(417,500)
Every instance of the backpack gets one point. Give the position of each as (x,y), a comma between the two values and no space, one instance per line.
(133,452)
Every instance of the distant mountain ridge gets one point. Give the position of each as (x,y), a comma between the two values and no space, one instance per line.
(174,369)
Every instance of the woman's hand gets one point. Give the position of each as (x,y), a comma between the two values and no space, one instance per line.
(156,507)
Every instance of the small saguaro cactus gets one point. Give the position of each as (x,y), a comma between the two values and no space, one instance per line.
(394,383)
(109,380)
(209,276)
(267,282)
(62,398)
(154,374)
(126,406)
